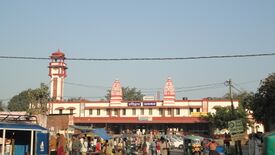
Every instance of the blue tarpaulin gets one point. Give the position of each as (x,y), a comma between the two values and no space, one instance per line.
(101,132)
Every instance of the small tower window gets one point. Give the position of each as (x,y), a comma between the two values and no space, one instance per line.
(169,111)
(116,112)
(150,111)
(60,111)
(160,111)
(142,111)
(108,112)
(178,111)
(90,111)
(134,111)
(71,111)
(191,110)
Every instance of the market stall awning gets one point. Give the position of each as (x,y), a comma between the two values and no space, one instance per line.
(101,132)
(21,126)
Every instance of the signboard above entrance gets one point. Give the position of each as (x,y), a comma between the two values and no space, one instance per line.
(149,103)
(133,104)
(137,104)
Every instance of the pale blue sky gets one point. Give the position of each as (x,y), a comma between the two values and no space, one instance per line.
(144,28)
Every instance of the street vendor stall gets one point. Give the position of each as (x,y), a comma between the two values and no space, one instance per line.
(98,132)
(23,138)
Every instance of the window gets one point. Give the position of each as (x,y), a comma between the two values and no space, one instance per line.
(178,111)
(90,111)
(198,109)
(160,111)
(142,111)
(123,111)
(71,111)
(60,111)
(191,110)
(108,112)
(169,111)
(134,112)
(98,111)
(116,111)
(150,111)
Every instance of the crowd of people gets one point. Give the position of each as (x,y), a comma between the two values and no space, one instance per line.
(85,145)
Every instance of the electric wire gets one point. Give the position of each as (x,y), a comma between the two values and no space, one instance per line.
(144,59)
(85,85)
(198,86)
(198,89)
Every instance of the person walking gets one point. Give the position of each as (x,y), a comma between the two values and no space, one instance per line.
(158,146)
(61,145)
(212,147)
(163,146)
(153,147)
(109,148)
(98,146)
(145,146)
(76,146)
(251,144)
(84,146)
(52,145)
(258,143)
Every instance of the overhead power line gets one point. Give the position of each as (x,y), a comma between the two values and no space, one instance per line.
(145,59)
(200,86)
(85,85)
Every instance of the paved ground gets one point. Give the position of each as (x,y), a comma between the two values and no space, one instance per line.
(179,152)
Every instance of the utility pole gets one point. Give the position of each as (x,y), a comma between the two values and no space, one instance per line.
(238,145)
(231,96)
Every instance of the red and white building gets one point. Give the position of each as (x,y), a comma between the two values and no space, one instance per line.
(118,114)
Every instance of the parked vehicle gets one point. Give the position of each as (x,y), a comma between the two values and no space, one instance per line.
(192,145)
(176,143)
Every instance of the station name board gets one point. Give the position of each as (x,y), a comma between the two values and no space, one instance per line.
(133,104)
(149,103)
(136,104)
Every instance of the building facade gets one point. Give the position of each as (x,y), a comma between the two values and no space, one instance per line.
(118,115)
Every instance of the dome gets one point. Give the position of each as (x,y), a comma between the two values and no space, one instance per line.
(58,54)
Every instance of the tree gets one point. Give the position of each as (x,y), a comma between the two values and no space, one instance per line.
(19,102)
(33,101)
(263,103)
(74,99)
(1,106)
(129,94)
(223,115)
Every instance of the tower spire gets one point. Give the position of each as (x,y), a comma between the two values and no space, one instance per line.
(169,94)
(116,92)
(57,72)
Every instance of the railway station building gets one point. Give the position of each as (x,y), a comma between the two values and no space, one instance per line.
(118,115)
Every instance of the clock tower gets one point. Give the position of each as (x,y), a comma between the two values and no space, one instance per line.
(57,72)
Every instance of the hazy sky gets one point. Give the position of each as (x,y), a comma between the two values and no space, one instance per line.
(141,28)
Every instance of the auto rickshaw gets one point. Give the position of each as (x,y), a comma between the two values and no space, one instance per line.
(192,145)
